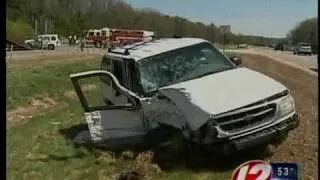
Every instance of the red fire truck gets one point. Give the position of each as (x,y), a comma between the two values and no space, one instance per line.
(115,37)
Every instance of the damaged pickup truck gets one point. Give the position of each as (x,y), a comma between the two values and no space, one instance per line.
(188,85)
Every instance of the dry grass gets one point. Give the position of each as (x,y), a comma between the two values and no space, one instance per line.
(302,144)
(20,115)
(43,60)
(85,89)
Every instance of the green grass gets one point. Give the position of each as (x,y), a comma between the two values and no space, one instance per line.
(42,149)
(52,80)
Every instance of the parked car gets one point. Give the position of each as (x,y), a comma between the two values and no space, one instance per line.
(44,41)
(183,86)
(303,48)
(288,47)
(279,46)
(271,45)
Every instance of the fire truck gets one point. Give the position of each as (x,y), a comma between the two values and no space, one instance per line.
(106,37)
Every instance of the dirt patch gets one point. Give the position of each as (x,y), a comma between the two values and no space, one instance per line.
(72,94)
(302,144)
(48,135)
(20,115)
(144,166)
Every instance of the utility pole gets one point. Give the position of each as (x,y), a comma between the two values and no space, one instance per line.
(223,39)
(35,26)
(45,26)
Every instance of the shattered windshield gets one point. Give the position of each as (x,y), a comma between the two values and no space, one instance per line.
(181,65)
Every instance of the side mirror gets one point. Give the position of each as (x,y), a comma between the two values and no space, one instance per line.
(236,60)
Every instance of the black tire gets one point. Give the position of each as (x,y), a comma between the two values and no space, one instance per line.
(30,45)
(51,47)
(97,44)
(280,139)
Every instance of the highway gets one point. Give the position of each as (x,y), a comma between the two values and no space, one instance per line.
(303,61)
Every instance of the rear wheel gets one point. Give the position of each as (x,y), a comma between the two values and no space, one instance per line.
(97,44)
(50,47)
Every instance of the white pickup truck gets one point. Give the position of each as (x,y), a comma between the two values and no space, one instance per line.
(44,41)
(188,86)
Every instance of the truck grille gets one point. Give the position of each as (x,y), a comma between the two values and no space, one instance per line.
(236,122)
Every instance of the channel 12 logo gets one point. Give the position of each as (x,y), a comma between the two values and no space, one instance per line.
(261,170)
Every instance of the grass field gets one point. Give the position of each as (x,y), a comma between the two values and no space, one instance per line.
(42,115)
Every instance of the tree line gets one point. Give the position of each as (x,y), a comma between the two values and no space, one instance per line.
(305,31)
(74,16)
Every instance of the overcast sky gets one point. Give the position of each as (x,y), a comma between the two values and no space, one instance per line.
(255,17)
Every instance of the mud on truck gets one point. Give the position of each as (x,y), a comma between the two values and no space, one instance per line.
(186,86)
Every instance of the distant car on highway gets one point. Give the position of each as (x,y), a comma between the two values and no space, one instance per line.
(303,48)
(241,46)
(279,46)
(270,45)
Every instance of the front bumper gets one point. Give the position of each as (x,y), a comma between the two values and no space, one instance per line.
(265,136)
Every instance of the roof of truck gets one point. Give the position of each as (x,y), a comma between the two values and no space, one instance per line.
(158,46)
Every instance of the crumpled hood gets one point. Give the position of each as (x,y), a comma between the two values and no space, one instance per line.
(228,90)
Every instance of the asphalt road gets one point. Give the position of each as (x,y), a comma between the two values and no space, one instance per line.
(303,61)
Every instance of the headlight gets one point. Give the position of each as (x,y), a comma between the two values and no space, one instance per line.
(286,106)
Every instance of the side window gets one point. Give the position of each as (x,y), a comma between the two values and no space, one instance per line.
(117,70)
(94,98)
(53,38)
(115,67)
(111,94)
(106,65)
(98,33)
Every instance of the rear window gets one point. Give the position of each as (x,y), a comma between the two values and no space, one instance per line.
(304,44)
